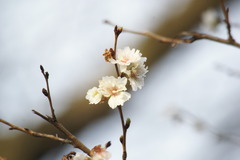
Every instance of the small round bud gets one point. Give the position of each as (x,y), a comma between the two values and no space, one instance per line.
(45,92)
(128,122)
(121,139)
(117,30)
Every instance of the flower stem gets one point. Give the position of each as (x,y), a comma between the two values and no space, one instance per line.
(123,140)
(117,32)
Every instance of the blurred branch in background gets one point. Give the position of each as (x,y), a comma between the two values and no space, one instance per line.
(193,36)
(183,116)
(79,114)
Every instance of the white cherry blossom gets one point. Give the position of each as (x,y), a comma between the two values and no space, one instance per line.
(132,64)
(114,89)
(127,56)
(136,73)
(94,96)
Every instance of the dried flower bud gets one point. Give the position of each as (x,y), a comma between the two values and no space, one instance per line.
(109,54)
(117,30)
(108,144)
(42,69)
(45,92)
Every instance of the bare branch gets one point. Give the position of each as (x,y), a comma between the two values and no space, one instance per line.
(52,120)
(40,115)
(47,92)
(198,36)
(173,41)
(35,134)
(226,20)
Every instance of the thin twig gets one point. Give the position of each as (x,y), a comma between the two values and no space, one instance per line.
(226,20)
(117,32)
(173,41)
(71,139)
(124,136)
(36,134)
(48,94)
(53,120)
(198,36)
(74,141)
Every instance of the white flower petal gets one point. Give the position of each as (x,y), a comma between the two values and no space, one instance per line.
(109,86)
(136,73)
(127,56)
(79,156)
(115,101)
(94,96)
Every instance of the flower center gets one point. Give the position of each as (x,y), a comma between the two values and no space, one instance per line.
(124,59)
(114,91)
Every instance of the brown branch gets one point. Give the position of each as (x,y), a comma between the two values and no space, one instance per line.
(47,92)
(198,36)
(35,134)
(117,32)
(173,41)
(226,20)
(52,120)
(123,138)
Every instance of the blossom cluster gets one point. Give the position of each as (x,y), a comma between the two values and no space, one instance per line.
(131,67)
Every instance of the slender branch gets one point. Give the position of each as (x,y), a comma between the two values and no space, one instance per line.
(52,120)
(36,134)
(198,36)
(226,20)
(47,93)
(173,41)
(74,141)
(124,136)
(117,32)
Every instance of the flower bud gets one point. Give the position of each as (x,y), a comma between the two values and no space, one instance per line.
(128,122)
(42,69)
(121,139)
(45,92)
(108,144)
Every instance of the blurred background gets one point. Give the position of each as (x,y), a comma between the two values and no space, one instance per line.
(188,108)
